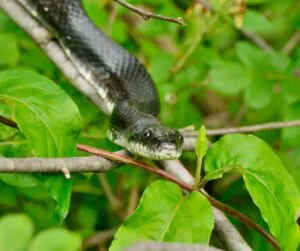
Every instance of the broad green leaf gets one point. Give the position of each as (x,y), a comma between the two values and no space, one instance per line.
(259,94)
(256,22)
(259,60)
(229,78)
(291,159)
(43,112)
(164,214)
(15,232)
(252,57)
(9,51)
(270,185)
(279,61)
(49,119)
(20,180)
(55,240)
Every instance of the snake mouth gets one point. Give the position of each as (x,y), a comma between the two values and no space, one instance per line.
(164,151)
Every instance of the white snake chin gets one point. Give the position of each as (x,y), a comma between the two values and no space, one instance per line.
(168,151)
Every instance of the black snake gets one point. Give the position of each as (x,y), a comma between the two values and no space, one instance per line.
(121,81)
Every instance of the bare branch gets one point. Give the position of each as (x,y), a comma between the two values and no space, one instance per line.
(244,129)
(56,165)
(147,15)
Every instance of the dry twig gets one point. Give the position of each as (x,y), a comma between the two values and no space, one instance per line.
(147,15)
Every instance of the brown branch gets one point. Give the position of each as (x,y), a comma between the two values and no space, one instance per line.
(147,15)
(223,207)
(8,122)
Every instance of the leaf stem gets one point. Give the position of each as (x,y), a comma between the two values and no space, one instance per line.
(198,174)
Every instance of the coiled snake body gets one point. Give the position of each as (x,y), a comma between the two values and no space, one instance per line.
(121,81)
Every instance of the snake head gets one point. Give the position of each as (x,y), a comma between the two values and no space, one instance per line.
(152,141)
(156,142)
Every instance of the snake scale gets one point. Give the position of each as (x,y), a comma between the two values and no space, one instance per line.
(122,83)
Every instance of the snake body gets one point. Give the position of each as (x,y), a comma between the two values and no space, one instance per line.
(122,83)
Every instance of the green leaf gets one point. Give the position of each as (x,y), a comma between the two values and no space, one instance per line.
(291,159)
(20,180)
(9,51)
(229,78)
(56,239)
(49,119)
(259,94)
(291,90)
(164,214)
(270,185)
(256,22)
(43,112)
(260,61)
(15,232)
(252,57)
(201,143)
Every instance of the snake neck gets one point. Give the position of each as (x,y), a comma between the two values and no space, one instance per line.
(127,116)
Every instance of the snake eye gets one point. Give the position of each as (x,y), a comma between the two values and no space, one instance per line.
(147,134)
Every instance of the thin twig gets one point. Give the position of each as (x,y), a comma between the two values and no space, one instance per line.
(256,39)
(98,238)
(113,200)
(147,15)
(291,43)
(221,206)
(245,129)
(133,200)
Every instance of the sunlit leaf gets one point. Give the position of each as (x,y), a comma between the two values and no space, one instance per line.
(270,185)
(164,214)
(49,119)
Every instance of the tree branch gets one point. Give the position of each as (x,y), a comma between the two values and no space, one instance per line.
(245,129)
(147,15)
(56,165)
